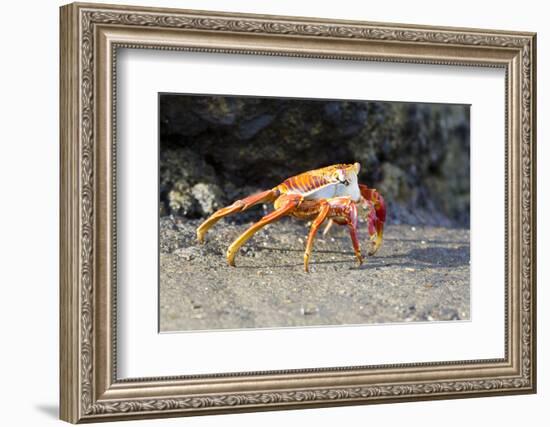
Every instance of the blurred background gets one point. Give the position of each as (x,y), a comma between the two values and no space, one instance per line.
(217,149)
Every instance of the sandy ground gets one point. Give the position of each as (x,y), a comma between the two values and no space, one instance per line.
(419,274)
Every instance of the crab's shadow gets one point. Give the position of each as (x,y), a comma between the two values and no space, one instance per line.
(418,258)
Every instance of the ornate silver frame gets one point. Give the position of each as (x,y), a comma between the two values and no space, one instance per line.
(90,36)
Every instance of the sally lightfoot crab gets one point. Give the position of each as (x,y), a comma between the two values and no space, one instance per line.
(330,194)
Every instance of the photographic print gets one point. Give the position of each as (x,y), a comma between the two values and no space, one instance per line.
(284,212)
(224,186)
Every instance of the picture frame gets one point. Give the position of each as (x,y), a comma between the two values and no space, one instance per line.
(91,35)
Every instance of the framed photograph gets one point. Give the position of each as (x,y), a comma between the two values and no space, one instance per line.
(267,212)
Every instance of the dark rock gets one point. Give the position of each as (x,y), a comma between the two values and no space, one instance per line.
(250,128)
(416,154)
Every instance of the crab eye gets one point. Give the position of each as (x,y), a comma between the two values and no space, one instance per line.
(341,178)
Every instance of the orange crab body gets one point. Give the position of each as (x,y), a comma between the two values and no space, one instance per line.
(330,194)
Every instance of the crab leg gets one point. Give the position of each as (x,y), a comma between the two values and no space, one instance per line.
(376,219)
(352,226)
(286,204)
(344,212)
(325,208)
(238,206)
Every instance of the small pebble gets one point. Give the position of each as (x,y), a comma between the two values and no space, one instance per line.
(309,310)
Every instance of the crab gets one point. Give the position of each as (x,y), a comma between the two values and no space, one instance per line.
(330,194)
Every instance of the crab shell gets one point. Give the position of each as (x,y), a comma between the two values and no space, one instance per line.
(325,183)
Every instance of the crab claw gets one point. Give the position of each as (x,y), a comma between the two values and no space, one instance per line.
(376,216)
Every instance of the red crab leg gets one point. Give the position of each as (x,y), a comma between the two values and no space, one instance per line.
(377,220)
(344,212)
(286,203)
(238,206)
(351,218)
(325,208)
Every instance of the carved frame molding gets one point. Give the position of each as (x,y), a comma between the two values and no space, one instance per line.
(90,37)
